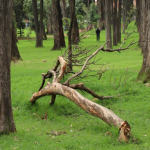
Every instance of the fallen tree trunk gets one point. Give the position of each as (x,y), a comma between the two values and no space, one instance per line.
(92,108)
(68,90)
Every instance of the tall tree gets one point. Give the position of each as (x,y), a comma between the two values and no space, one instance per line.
(38,29)
(49,19)
(119,22)
(143,8)
(124,15)
(115,23)
(102,15)
(74,30)
(6,116)
(59,40)
(15,55)
(64,13)
(108,23)
(99,12)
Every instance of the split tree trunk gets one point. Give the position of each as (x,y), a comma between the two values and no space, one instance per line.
(6,116)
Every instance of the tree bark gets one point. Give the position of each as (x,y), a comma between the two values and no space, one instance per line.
(124,15)
(115,23)
(74,28)
(64,12)
(99,12)
(108,23)
(102,15)
(39,33)
(55,88)
(119,23)
(15,55)
(144,33)
(59,40)
(49,20)
(6,116)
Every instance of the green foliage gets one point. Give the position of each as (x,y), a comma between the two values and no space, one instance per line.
(131,15)
(81,22)
(83,131)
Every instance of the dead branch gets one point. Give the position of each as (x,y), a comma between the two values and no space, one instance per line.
(68,90)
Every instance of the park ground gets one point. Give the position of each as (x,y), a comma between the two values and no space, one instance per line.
(77,129)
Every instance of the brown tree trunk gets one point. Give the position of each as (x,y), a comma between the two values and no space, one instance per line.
(102,15)
(64,12)
(119,22)
(99,12)
(6,116)
(59,40)
(115,23)
(15,55)
(124,15)
(108,23)
(39,33)
(49,19)
(74,30)
(144,33)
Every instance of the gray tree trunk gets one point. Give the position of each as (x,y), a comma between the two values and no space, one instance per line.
(6,116)
(108,23)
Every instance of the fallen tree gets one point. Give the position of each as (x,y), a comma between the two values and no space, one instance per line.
(68,90)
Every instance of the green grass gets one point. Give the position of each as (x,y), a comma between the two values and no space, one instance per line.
(83,131)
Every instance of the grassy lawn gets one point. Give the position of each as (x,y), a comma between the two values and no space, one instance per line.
(82,131)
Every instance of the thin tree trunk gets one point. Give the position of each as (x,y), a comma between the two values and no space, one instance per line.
(115,23)
(49,20)
(108,23)
(119,23)
(59,40)
(15,55)
(74,30)
(124,15)
(99,12)
(6,116)
(39,33)
(102,15)
(64,12)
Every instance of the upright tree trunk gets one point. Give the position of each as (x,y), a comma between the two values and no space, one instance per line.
(6,116)
(49,19)
(74,29)
(124,15)
(119,23)
(15,55)
(141,23)
(64,12)
(144,33)
(115,23)
(102,15)
(39,33)
(99,12)
(108,23)
(59,40)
